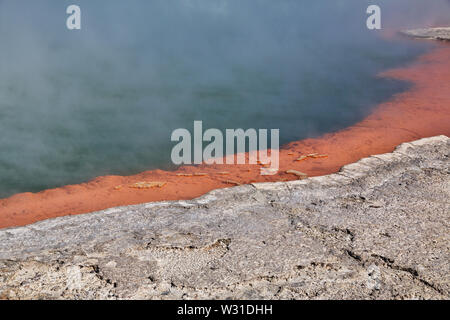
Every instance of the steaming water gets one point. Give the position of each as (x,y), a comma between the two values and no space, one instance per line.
(104,100)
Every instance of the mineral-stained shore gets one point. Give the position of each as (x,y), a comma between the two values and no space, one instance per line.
(420,112)
(378,229)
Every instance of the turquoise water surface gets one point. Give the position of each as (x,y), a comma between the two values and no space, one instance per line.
(104,100)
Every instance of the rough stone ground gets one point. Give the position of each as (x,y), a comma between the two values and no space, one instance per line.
(430,33)
(378,229)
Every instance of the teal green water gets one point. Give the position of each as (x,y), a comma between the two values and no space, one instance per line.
(104,100)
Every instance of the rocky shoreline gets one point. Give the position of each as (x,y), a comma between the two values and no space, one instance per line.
(442,34)
(378,229)
(421,111)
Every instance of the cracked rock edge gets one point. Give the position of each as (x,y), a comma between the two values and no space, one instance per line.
(378,229)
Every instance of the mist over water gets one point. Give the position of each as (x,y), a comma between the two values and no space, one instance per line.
(104,100)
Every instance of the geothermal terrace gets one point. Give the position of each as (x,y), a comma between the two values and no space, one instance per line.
(377,229)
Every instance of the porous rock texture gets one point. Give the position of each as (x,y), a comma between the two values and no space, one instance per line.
(378,229)
(430,33)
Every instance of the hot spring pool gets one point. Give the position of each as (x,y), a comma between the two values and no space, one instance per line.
(104,100)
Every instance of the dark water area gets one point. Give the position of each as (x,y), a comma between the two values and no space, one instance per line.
(104,100)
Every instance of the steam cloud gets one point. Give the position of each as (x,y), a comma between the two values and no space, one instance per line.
(103,100)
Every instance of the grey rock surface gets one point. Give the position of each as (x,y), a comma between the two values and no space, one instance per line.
(430,33)
(378,229)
